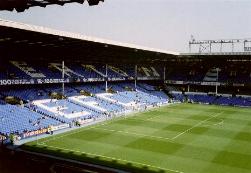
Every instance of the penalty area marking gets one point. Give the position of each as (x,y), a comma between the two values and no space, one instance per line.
(112,158)
(92,126)
(133,133)
(221,122)
(196,125)
(96,126)
(75,132)
(144,120)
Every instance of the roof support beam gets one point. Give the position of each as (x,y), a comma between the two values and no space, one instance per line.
(21,5)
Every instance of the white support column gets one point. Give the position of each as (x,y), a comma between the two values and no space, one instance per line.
(216,86)
(136,74)
(63,73)
(106,77)
(164,74)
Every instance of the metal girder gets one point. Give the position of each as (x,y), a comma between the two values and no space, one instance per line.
(22,5)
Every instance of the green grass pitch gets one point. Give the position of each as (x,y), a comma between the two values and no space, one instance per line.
(182,138)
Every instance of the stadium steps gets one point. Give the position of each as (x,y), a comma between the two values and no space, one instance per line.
(85,106)
(49,116)
(167,91)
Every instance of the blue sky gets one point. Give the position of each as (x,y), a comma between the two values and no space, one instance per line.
(163,24)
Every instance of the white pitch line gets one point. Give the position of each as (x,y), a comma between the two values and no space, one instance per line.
(105,122)
(137,119)
(113,158)
(147,120)
(133,133)
(77,131)
(215,124)
(216,115)
(153,117)
(67,134)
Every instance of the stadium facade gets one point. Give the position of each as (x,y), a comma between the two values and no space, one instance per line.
(33,57)
(52,80)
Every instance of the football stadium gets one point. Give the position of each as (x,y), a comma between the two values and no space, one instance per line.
(74,103)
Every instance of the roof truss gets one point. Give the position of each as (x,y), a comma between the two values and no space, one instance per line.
(21,5)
